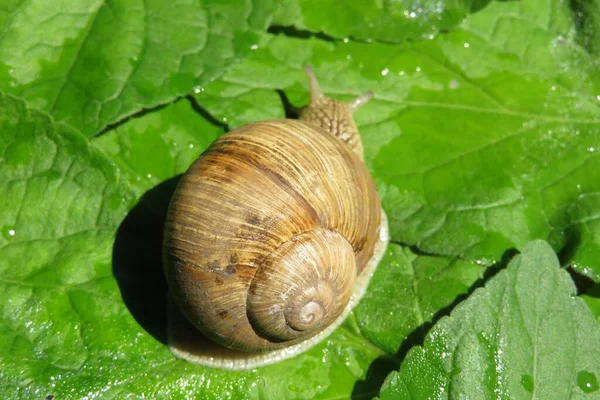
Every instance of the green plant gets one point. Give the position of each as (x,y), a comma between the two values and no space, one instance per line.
(483,138)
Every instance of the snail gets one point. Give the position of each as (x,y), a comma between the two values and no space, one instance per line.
(271,237)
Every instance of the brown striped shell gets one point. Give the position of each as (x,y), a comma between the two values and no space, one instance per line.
(267,232)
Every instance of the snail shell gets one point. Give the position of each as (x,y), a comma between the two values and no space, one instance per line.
(269,230)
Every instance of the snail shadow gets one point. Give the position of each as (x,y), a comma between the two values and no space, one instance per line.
(137,259)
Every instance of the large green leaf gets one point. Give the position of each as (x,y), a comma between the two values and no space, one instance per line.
(91,63)
(480,139)
(71,326)
(525,335)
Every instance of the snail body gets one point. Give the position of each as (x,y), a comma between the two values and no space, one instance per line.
(269,231)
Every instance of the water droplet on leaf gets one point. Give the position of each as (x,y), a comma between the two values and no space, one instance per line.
(527,382)
(587,381)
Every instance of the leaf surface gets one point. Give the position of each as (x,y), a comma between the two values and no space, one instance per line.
(525,335)
(389,21)
(92,63)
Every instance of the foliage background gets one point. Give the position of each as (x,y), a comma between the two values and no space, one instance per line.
(483,137)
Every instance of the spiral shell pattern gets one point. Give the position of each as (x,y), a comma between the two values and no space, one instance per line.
(302,286)
(267,233)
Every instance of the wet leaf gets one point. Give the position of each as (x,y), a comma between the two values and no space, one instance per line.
(525,335)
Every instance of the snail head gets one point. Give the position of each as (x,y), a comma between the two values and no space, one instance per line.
(334,116)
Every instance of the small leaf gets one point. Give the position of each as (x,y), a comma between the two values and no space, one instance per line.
(525,334)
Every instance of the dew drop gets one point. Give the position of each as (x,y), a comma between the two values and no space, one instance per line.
(466,45)
(598,97)
(253,46)
(385,71)
(418,69)
(587,381)
(346,40)
(191,145)
(527,382)
(11,232)
(149,176)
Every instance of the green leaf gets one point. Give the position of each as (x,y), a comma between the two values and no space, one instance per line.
(61,201)
(480,140)
(586,14)
(525,335)
(424,287)
(388,21)
(91,63)
(85,308)
(157,146)
(592,299)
